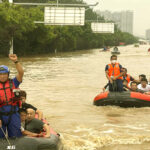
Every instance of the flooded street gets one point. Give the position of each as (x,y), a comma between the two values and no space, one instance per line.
(64,85)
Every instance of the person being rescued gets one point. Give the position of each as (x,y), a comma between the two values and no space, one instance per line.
(34,127)
(114,75)
(25,105)
(144,85)
(141,76)
(134,88)
(23,117)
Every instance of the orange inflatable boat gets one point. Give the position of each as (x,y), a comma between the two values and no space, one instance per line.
(122,99)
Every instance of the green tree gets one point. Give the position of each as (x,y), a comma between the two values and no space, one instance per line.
(30,38)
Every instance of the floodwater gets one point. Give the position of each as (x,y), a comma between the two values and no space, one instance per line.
(64,85)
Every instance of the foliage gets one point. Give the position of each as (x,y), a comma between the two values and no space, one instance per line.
(30,38)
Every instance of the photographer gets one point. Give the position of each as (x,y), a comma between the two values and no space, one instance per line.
(9,116)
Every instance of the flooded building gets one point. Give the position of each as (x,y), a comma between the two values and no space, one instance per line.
(123,19)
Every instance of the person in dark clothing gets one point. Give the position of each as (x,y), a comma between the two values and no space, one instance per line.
(141,76)
(25,105)
(23,117)
(115,49)
(35,125)
(105,87)
(125,85)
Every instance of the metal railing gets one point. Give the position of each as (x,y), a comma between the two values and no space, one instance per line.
(55,4)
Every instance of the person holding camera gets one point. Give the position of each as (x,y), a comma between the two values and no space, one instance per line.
(9,98)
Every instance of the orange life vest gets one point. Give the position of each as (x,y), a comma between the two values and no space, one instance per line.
(114,70)
(7,96)
(127,78)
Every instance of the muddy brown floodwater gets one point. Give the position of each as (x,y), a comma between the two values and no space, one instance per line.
(64,85)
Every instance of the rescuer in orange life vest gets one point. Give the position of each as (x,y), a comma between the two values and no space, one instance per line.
(9,98)
(127,77)
(114,74)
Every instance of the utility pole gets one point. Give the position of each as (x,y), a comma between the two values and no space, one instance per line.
(57,3)
(11,51)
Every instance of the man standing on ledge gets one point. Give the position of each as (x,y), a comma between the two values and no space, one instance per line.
(114,75)
(9,98)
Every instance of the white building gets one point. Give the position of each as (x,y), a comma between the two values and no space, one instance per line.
(123,19)
(148,34)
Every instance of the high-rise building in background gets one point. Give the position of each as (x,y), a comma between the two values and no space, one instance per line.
(148,34)
(123,19)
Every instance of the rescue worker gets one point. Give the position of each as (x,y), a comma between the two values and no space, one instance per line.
(127,77)
(9,98)
(114,74)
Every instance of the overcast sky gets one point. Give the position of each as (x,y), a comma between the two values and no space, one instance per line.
(141,9)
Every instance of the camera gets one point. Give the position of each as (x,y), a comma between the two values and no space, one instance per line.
(16,92)
(112,77)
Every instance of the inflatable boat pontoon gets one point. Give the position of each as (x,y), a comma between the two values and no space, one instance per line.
(122,99)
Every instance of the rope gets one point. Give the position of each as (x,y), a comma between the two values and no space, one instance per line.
(6,136)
